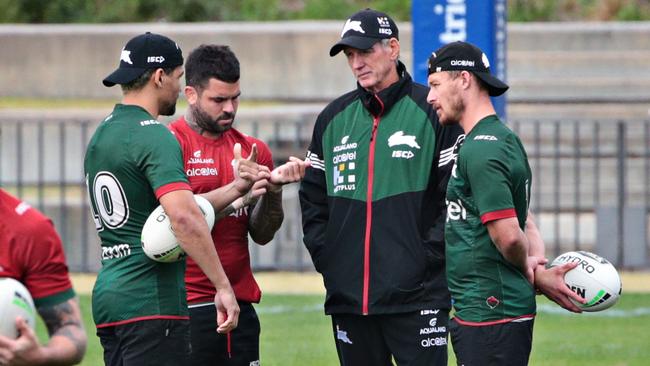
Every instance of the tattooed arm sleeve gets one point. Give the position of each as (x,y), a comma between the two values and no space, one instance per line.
(67,343)
(266,218)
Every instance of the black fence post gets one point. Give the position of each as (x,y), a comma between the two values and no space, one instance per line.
(621,188)
(85,204)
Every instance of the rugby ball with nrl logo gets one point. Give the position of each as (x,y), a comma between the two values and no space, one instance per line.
(158,239)
(15,301)
(595,279)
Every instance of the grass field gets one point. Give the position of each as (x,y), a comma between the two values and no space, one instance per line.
(295,332)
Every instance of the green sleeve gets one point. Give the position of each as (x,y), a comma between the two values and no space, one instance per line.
(489,176)
(158,154)
(55,299)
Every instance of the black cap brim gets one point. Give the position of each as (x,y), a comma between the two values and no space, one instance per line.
(362,43)
(495,86)
(122,75)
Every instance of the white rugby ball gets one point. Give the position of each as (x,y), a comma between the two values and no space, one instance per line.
(158,239)
(595,279)
(15,301)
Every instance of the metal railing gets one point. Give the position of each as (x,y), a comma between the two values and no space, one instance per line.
(586,173)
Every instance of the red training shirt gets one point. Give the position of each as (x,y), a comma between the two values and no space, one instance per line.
(31,252)
(208,165)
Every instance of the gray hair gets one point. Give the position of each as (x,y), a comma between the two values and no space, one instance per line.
(385,42)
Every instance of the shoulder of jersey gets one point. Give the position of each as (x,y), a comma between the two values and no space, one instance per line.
(255,140)
(338,105)
(486,137)
(175,129)
(149,122)
(141,116)
(493,135)
(237,135)
(27,218)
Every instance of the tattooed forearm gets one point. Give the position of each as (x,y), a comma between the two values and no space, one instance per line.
(225,212)
(64,320)
(266,218)
(58,316)
(76,336)
(238,204)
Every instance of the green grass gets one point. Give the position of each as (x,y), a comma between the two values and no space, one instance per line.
(295,332)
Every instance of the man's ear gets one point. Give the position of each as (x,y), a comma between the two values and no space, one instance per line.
(467,79)
(157,77)
(191,94)
(394,49)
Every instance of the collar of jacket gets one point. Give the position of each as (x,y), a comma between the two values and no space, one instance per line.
(379,104)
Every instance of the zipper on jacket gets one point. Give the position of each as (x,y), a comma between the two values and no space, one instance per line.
(371,177)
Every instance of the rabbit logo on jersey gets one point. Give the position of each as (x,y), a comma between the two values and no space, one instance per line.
(343,161)
(399,139)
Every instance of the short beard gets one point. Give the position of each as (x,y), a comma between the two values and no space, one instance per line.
(206,123)
(455,112)
(168,109)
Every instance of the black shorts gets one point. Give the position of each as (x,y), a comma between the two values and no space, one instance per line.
(239,347)
(147,342)
(415,338)
(506,344)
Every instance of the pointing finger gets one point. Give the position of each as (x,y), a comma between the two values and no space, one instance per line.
(236,150)
(253,156)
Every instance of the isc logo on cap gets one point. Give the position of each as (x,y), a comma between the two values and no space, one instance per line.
(158,59)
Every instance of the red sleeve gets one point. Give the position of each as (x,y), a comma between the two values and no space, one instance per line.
(161,191)
(45,272)
(496,215)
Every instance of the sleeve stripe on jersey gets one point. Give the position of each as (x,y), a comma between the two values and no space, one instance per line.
(177,186)
(496,215)
(446,156)
(57,298)
(315,161)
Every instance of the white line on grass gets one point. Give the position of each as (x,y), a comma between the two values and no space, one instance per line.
(543,308)
(281,309)
(609,313)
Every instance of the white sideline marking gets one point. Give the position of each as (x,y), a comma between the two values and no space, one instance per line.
(543,308)
(281,309)
(609,313)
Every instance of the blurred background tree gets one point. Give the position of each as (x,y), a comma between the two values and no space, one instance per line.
(569,10)
(120,11)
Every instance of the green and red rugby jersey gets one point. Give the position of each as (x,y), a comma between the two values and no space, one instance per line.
(131,161)
(490,181)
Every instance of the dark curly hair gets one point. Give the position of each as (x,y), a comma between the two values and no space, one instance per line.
(211,61)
